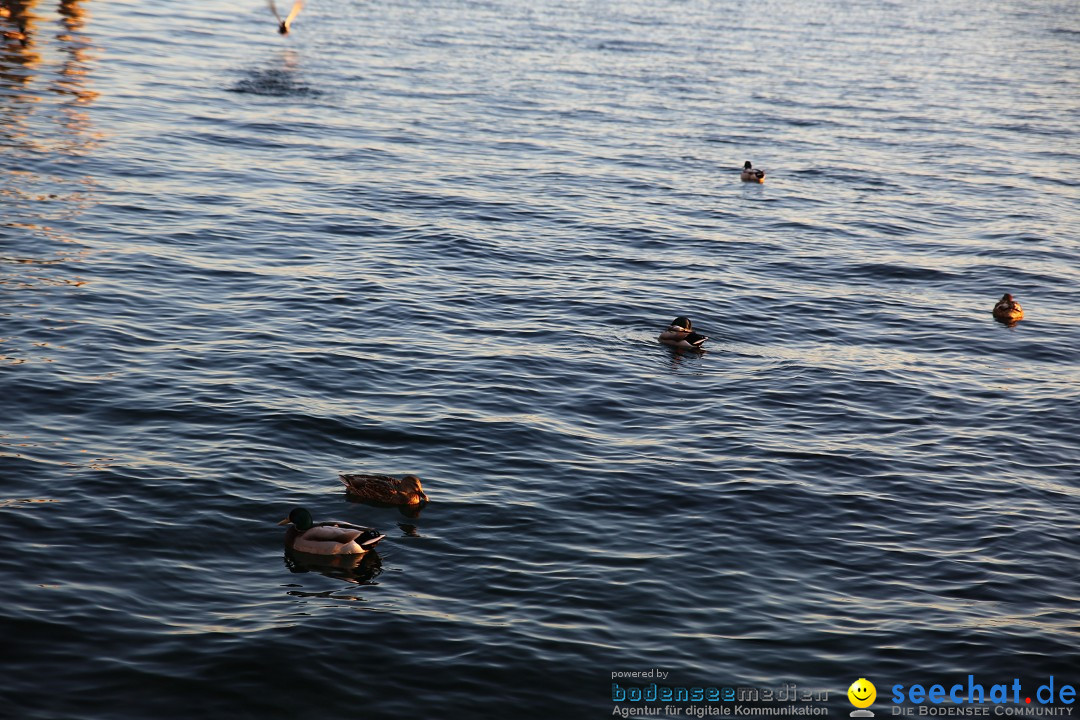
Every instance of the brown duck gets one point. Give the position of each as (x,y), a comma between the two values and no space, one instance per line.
(1008,310)
(385,489)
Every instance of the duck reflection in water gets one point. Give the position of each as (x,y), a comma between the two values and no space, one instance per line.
(410,511)
(356,569)
(409,530)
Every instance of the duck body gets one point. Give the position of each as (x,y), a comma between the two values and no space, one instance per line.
(327,538)
(749,174)
(1007,309)
(385,489)
(680,334)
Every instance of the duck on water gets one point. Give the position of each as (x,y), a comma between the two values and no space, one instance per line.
(332,537)
(680,334)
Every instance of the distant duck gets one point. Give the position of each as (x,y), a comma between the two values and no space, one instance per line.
(327,538)
(385,489)
(283,25)
(680,334)
(751,175)
(1007,309)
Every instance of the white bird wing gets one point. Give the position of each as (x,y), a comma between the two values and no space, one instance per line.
(296,8)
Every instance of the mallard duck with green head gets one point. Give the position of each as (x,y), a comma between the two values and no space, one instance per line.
(333,537)
(680,334)
(385,489)
(749,174)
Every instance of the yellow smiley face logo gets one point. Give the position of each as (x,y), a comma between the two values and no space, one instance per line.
(862,693)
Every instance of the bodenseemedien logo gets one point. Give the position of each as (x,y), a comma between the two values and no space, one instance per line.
(862,694)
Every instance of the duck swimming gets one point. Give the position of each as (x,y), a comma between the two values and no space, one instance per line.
(385,489)
(680,334)
(1007,309)
(751,175)
(327,538)
(283,25)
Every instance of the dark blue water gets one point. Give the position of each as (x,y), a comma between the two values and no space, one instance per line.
(441,238)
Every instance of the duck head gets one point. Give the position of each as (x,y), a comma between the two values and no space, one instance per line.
(681,324)
(1006,298)
(747,165)
(410,484)
(299,518)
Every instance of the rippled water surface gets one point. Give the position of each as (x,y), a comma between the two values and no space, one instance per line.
(441,238)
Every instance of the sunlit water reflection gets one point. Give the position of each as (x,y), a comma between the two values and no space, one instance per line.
(441,238)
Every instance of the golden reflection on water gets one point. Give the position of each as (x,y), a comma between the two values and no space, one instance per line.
(37,66)
(46,62)
(44,92)
(16,502)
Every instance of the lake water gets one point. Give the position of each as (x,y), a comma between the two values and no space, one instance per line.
(441,238)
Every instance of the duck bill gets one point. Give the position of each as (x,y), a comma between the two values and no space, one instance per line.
(286,521)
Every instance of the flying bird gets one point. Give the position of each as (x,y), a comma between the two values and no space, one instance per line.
(283,25)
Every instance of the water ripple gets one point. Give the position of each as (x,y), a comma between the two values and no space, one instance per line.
(441,238)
